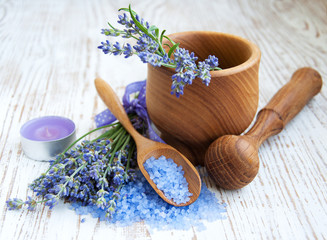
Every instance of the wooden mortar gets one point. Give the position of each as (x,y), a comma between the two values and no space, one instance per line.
(227,106)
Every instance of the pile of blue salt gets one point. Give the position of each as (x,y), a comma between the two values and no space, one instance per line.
(139,202)
(169,178)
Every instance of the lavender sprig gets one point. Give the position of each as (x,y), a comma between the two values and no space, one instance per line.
(91,173)
(149,48)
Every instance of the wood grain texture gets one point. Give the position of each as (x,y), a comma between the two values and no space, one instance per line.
(232,161)
(49,60)
(202,114)
(146,148)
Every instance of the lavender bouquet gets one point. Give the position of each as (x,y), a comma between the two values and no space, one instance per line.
(149,48)
(94,172)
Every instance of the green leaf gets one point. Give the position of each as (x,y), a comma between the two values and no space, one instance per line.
(137,23)
(111,26)
(144,29)
(154,28)
(172,49)
(161,36)
(127,10)
(157,32)
(216,68)
(169,39)
(166,44)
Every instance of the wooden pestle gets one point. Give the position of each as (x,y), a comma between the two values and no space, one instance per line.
(232,161)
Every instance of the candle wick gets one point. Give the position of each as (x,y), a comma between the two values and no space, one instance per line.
(47,132)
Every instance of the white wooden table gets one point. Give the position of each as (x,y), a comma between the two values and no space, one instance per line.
(49,59)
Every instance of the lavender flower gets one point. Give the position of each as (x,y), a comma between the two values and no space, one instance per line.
(110,32)
(204,67)
(151,58)
(124,20)
(117,50)
(203,72)
(146,44)
(212,61)
(149,48)
(14,203)
(128,51)
(105,47)
(51,200)
(31,203)
(185,68)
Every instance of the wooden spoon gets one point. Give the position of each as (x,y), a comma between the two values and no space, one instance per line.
(232,161)
(147,148)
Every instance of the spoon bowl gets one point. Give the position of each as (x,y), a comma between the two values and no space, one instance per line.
(161,149)
(147,148)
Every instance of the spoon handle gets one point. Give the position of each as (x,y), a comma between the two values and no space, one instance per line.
(112,101)
(286,103)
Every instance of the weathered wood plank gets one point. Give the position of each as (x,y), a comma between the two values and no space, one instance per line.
(49,59)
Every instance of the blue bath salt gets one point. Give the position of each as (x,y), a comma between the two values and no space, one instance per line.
(169,178)
(139,202)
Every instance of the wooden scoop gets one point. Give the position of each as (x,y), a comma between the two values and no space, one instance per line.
(232,161)
(147,148)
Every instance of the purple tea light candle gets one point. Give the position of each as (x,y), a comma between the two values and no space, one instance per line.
(45,137)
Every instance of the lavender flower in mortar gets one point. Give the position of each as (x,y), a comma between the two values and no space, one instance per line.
(149,48)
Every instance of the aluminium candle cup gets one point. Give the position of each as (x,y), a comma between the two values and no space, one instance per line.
(45,137)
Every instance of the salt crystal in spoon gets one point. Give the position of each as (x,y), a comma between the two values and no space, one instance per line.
(147,148)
